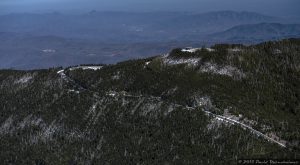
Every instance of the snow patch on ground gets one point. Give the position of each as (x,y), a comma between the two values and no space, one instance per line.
(193,50)
(86,68)
(60,71)
(277,51)
(146,64)
(137,105)
(29,121)
(62,74)
(6,127)
(235,50)
(42,132)
(73,91)
(202,102)
(224,70)
(188,61)
(24,79)
(92,113)
(170,109)
(210,49)
(112,93)
(190,50)
(150,108)
(170,91)
(116,76)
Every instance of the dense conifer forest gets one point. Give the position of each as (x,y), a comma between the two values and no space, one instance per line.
(176,108)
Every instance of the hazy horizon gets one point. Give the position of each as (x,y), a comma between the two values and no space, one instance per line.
(287,8)
(36,36)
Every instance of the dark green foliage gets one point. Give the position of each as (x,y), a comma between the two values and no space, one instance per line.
(136,112)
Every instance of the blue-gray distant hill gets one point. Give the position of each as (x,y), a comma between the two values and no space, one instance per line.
(23,51)
(257,32)
(32,41)
(129,26)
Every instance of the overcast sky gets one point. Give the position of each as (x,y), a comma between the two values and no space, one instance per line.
(271,7)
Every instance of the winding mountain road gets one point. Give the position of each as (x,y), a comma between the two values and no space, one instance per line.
(226,119)
(218,117)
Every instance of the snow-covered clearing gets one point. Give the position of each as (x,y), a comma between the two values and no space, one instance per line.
(235,50)
(189,61)
(221,70)
(24,79)
(86,68)
(193,50)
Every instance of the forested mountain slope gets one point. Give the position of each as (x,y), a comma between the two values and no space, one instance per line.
(191,106)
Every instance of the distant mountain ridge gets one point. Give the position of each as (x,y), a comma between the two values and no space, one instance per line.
(24,51)
(129,27)
(258,32)
(32,41)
